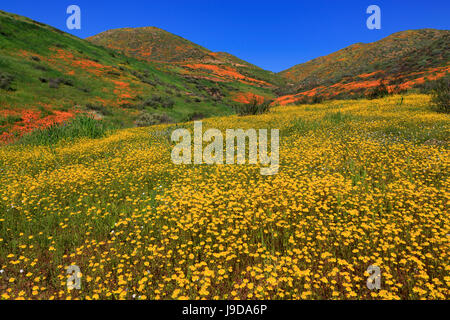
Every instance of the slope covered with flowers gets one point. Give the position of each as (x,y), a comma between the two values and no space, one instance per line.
(184,56)
(45,68)
(402,60)
(361,183)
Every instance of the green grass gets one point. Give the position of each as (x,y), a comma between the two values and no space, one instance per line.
(80,127)
(339,117)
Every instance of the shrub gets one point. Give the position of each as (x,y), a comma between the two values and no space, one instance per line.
(146,119)
(40,67)
(144,76)
(114,73)
(152,102)
(440,95)
(6,81)
(54,83)
(85,90)
(133,106)
(159,102)
(254,107)
(168,103)
(66,82)
(317,99)
(103,110)
(150,82)
(379,92)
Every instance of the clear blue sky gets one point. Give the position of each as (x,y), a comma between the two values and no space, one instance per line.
(274,35)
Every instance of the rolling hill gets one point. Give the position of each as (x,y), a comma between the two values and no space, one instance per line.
(150,43)
(48,76)
(184,56)
(403,60)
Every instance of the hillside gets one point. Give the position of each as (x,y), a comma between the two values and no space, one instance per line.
(121,76)
(360,182)
(150,43)
(47,76)
(403,60)
(184,56)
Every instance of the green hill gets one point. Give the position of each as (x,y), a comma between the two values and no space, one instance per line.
(150,43)
(47,76)
(184,56)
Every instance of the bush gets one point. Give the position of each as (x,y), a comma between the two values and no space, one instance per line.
(138,106)
(81,126)
(146,119)
(317,99)
(67,82)
(379,92)
(114,73)
(152,102)
(440,95)
(103,110)
(85,90)
(6,81)
(159,102)
(254,107)
(54,83)
(168,103)
(40,67)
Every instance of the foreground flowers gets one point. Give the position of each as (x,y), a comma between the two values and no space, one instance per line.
(360,183)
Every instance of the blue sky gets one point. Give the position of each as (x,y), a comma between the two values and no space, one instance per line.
(274,35)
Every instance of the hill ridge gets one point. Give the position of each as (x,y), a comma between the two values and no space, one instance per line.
(397,59)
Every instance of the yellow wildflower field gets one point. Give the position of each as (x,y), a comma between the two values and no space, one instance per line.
(360,183)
